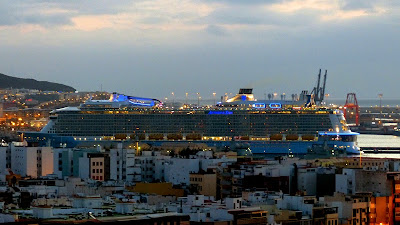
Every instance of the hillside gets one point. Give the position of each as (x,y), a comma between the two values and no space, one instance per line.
(15,82)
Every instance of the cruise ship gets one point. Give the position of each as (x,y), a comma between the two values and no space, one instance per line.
(295,127)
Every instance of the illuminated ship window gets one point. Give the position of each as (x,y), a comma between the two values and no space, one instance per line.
(275,105)
(259,105)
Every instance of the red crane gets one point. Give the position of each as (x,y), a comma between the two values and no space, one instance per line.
(351,103)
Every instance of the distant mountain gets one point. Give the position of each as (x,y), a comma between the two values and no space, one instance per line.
(18,83)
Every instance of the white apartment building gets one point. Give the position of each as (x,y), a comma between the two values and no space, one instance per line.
(31,161)
(122,165)
(177,170)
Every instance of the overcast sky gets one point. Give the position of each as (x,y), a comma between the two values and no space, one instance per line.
(154,47)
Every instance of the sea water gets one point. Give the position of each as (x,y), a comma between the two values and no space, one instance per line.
(370,140)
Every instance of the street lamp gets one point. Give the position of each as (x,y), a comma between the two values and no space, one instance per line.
(326,98)
(186,97)
(214,97)
(198,99)
(380,101)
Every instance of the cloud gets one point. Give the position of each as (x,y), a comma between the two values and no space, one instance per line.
(87,15)
(21,13)
(298,5)
(216,30)
(51,13)
(259,17)
(243,2)
(358,4)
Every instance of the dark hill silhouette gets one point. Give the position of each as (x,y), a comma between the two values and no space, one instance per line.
(19,83)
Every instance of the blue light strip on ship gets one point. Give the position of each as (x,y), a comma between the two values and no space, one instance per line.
(141,104)
(335,133)
(140,99)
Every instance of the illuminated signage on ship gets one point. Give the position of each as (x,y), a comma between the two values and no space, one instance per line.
(220,113)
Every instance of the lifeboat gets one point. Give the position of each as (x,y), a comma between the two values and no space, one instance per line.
(156,136)
(120,136)
(276,137)
(308,137)
(174,136)
(292,137)
(193,137)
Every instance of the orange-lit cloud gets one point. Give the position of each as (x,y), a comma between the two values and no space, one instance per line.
(298,5)
(325,9)
(159,14)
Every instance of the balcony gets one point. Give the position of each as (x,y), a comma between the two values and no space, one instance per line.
(225,192)
(226,174)
(224,182)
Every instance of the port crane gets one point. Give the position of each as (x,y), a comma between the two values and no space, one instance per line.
(319,91)
(352,104)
